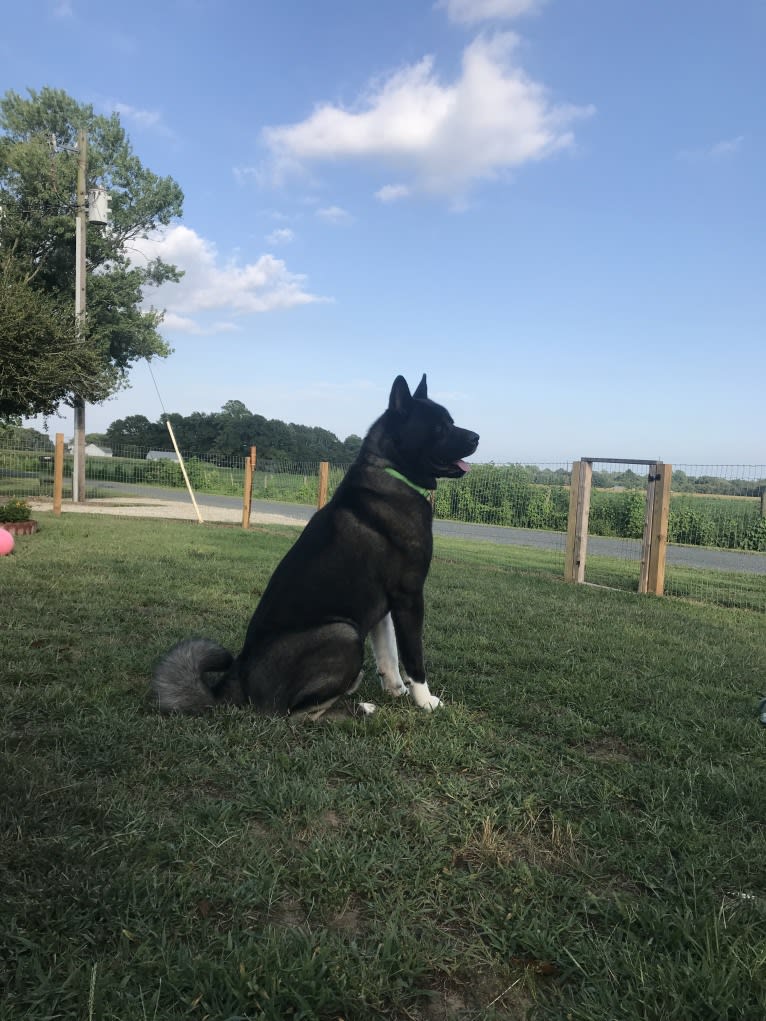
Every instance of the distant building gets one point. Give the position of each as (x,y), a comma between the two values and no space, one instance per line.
(161,455)
(93,450)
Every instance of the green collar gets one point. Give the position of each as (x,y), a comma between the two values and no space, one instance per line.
(403,478)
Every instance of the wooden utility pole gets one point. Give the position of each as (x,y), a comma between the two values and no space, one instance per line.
(58,474)
(80,302)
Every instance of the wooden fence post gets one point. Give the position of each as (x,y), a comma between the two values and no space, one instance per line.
(577,524)
(659,531)
(648,534)
(247,493)
(324,475)
(58,474)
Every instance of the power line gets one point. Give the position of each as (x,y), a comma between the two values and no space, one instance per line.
(159,396)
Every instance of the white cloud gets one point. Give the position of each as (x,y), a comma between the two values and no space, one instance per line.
(180,324)
(727,147)
(334,214)
(210,284)
(244,175)
(62,9)
(392,192)
(174,323)
(442,136)
(468,12)
(146,118)
(718,150)
(281,236)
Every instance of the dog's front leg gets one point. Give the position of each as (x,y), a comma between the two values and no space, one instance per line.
(408,625)
(387,657)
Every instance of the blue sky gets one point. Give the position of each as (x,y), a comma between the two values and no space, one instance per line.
(555,208)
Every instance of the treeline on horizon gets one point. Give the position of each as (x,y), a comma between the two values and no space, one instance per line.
(229,433)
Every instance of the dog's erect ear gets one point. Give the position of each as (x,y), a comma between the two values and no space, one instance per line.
(400,397)
(422,389)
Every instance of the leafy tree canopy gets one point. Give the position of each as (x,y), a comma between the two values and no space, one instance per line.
(42,360)
(38,178)
(230,433)
(16,437)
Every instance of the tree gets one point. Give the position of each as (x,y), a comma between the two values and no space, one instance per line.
(231,432)
(16,437)
(136,431)
(37,254)
(41,358)
(197,432)
(352,445)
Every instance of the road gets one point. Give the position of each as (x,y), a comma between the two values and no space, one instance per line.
(686,556)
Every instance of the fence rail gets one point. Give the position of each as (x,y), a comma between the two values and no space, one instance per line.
(712,507)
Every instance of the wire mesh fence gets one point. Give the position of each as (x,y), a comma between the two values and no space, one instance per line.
(26,472)
(519,507)
(717,535)
(722,506)
(293,481)
(716,525)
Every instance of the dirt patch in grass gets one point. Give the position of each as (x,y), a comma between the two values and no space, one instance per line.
(486,996)
(611,749)
(288,914)
(350,919)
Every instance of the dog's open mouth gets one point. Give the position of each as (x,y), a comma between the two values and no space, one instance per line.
(453,470)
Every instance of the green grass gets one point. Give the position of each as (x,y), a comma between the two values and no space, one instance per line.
(579,834)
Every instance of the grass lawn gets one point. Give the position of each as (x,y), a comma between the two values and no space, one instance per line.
(580,834)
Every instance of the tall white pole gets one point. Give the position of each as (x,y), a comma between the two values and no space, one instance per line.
(80,301)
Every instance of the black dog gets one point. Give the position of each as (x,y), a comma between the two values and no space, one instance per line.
(358,568)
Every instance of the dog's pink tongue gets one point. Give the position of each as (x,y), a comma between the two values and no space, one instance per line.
(463,465)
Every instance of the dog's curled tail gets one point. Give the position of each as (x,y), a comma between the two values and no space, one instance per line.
(179,683)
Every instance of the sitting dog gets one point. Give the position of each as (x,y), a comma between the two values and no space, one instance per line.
(357,569)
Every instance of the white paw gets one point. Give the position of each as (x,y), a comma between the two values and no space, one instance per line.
(366,708)
(431,703)
(423,697)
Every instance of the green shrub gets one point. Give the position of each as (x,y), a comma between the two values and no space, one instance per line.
(14,510)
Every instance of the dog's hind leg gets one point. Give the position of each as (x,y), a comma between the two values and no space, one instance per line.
(361,708)
(387,657)
(328,667)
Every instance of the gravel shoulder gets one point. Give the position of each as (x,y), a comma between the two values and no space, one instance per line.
(144,507)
